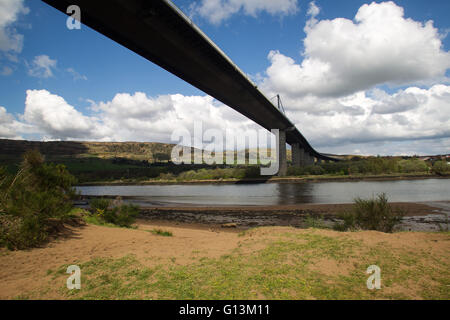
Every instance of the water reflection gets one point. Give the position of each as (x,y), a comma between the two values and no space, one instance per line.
(294,193)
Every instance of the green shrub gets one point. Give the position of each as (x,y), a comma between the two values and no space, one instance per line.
(21,232)
(295,171)
(413,165)
(161,232)
(166,176)
(314,222)
(114,212)
(33,200)
(441,168)
(315,170)
(123,215)
(99,205)
(370,214)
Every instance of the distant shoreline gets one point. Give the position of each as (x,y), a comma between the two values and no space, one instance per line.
(318,178)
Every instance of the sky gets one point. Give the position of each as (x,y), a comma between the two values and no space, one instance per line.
(355,76)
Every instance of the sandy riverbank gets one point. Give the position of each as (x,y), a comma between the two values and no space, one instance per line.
(116,262)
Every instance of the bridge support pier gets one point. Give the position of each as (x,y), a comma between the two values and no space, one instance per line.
(282,158)
(296,155)
(300,157)
(309,159)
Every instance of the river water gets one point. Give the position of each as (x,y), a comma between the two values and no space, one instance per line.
(420,190)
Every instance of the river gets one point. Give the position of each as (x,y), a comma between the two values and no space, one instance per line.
(420,190)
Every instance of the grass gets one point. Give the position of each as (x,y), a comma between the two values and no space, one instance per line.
(288,266)
(371,214)
(315,222)
(161,232)
(90,218)
(93,219)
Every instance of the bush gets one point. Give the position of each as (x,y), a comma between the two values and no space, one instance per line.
(99,205)
(414,165)
(295,171)
(314,222)
(124,215)
(370,214)
(33,200)
(315,170)
(161,232)
(117,213)
(20,232)
(441,168)
(166,176)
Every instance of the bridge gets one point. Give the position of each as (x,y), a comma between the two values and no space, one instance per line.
(160,32)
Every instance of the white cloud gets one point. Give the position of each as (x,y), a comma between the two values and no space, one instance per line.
(216,11)
(313,9)
(403,100)
(138,117)
(52,115)
(333,95)
(11,42)
(410,115)
(336,125)
(342,56)
(10,10)
(313,12)
(127,117)
(9,127)
(76,76)
(42,66)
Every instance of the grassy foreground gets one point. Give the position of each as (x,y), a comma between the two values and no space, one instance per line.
(276,263)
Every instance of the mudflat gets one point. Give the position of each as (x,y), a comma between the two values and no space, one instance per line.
(244,217)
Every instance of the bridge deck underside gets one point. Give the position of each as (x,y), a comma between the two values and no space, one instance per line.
(158,32)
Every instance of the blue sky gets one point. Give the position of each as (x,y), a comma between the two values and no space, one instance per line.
(86,71)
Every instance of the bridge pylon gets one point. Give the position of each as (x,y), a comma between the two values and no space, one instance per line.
(282,156)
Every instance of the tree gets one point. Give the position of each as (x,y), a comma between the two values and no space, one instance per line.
(441,168)
(161,157)
(38,195)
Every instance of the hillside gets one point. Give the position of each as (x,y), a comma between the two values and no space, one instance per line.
(102,161)
(13,149)
(80,149)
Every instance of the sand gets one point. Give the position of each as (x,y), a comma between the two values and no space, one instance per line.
(27,270)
